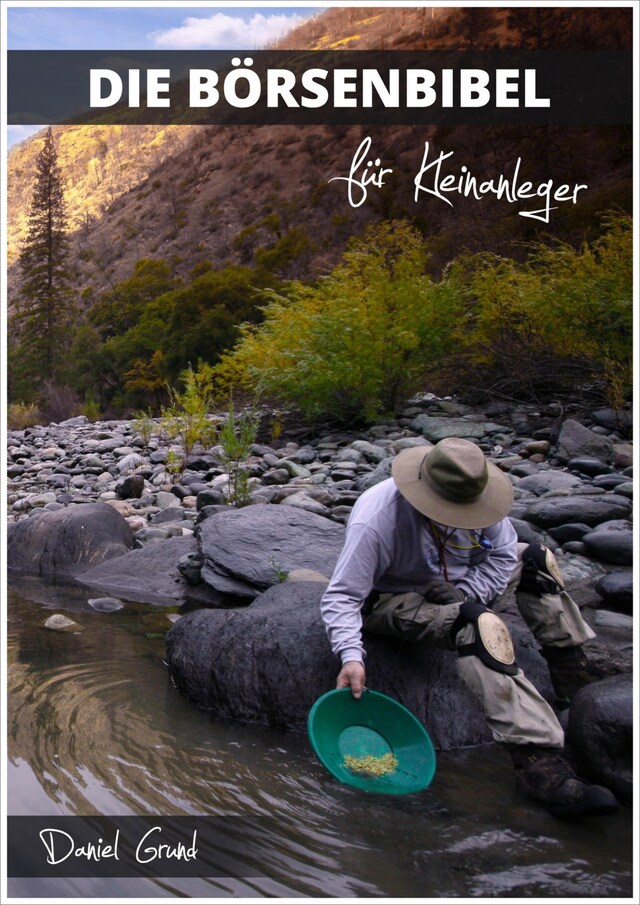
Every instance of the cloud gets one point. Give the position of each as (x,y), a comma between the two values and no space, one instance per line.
(222,32)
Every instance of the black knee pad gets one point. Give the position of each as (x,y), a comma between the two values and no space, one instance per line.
(540,571)
(492,644)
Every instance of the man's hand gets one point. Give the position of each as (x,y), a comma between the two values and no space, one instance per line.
(441,592)
(352,675)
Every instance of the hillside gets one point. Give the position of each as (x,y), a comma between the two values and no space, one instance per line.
(189,194)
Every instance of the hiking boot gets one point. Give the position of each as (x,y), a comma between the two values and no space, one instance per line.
(570,670)
(540,571)
(544,775)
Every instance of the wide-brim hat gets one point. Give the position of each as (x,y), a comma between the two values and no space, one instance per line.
(453,484)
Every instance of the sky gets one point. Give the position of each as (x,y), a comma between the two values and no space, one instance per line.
(147,27)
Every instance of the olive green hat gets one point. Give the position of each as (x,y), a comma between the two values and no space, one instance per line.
(453,484)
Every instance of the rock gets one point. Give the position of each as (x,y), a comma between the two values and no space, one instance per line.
(106,604)
(247,665)
(242,545)
(592,510)
(60,623)
(276,476)
(370,451)
(577,440)
(611,542)
(590,467)
(616,589)
(613,620)
(69,541)
(569,532)
(543,482)
(130,488)
(302,500)
(190,566)
(435,429)
(151,575)
(537,447)
(614,419)
(600,733)
(380,473)
(527,534)
(210,498)
(609,481)
(130,462)
(167,500)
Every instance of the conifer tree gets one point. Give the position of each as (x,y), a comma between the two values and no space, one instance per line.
(45,304)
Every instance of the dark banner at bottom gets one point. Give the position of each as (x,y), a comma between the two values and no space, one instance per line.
(73,847)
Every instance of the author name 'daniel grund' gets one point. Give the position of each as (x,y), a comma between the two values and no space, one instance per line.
(434,178)
(60,846)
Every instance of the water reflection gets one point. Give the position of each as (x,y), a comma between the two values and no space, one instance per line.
(95,726)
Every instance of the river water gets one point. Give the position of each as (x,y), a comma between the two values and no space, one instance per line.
(96,727)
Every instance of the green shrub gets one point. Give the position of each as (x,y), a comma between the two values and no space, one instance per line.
(187,415)
(236,436)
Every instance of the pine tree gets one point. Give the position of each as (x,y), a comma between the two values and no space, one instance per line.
(45,304)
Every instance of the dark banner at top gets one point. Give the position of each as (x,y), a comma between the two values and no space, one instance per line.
(576,88)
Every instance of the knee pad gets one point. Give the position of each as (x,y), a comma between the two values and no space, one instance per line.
(492,644)
(540,572)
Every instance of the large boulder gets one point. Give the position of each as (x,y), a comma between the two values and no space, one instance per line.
(577,440)
(269,662)
(601,733)
(611,542)
(590,510)
(151,575)
(67,541)
(247,550)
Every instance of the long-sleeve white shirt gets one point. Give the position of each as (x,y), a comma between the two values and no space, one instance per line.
(390,548)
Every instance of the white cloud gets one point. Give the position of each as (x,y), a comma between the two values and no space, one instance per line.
(222,32)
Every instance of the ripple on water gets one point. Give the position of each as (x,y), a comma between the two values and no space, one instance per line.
(95,726)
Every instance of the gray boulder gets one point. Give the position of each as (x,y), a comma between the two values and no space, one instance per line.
(616,589)
(244,550)
(611,542)
(600,733)
(269,662)
(591,510)
(67,541)
(545,481)
(577,440)
(151,575)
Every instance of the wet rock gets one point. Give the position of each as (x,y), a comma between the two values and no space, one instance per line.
(60,623)
(611,542)
(569,532)
(601,733)
(68,541)
(247,665)
(616,589)
(106,604)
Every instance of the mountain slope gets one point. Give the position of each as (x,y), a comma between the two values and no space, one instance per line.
(188,194)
